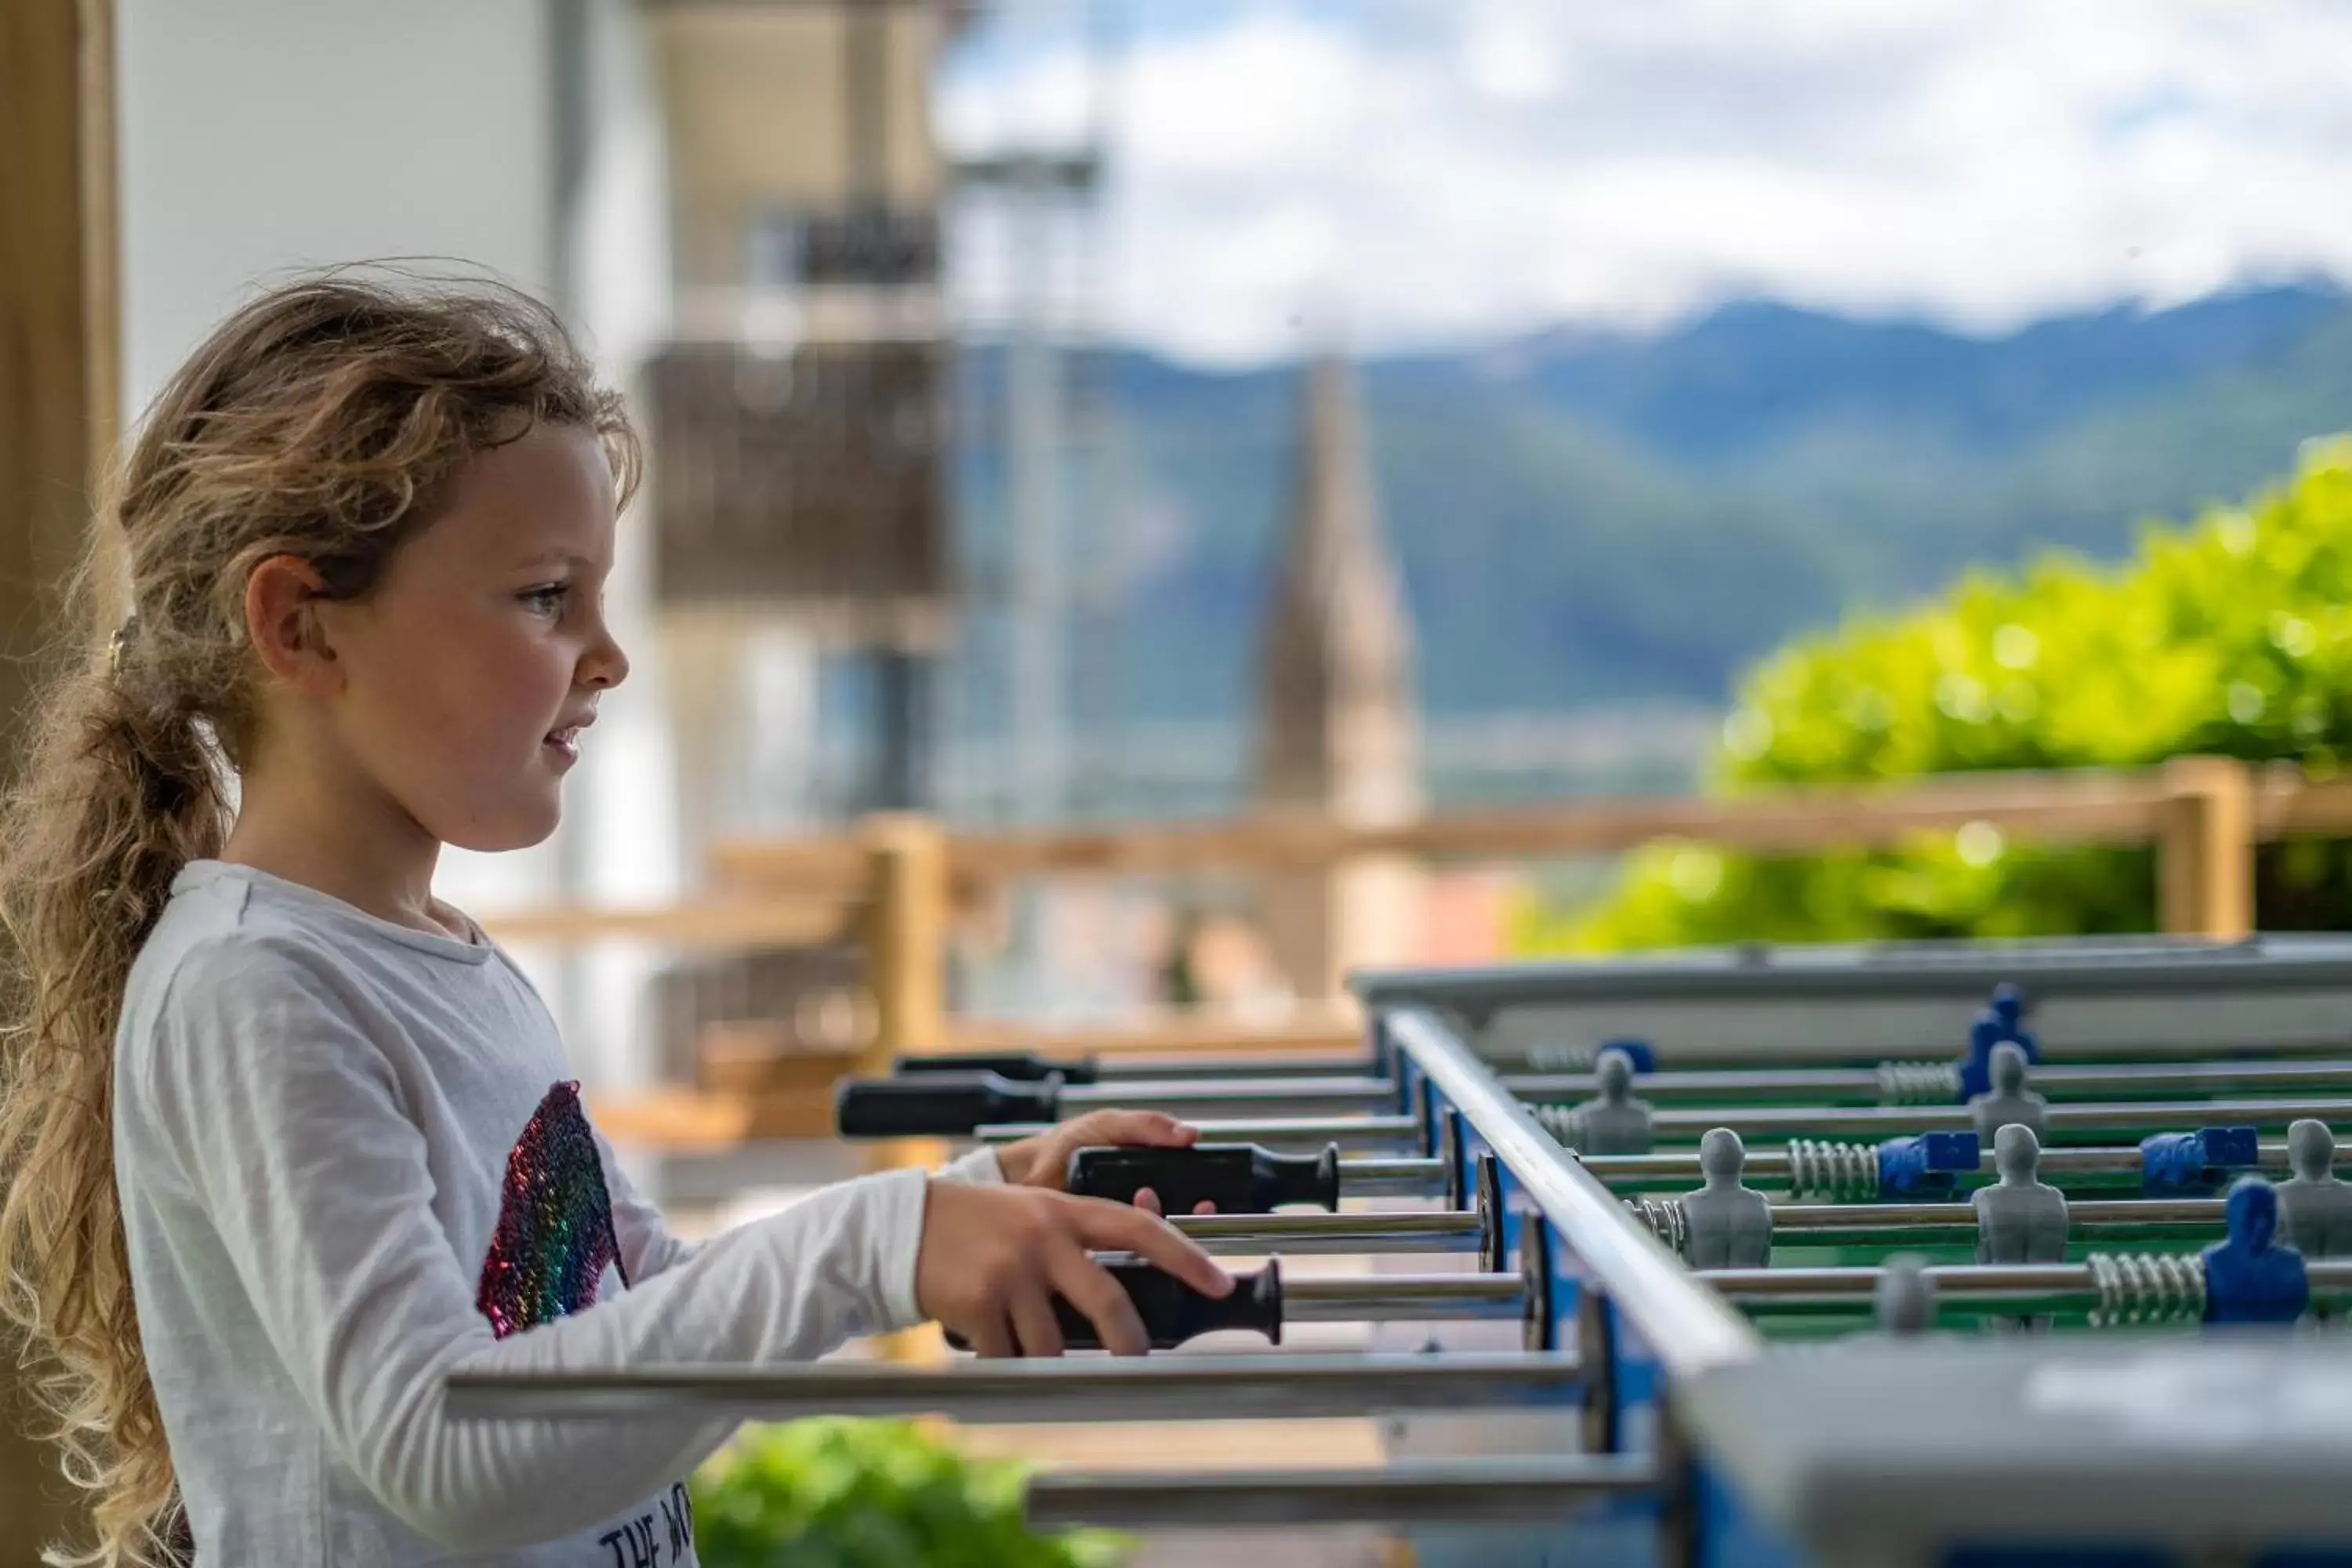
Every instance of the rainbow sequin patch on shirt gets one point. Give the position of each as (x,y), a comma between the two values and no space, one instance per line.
(555,1234)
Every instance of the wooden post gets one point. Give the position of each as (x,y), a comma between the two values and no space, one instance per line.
(905,967)
(58,396)
(2205,858)
(906,961)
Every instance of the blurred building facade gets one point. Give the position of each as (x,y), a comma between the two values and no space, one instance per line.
(799,409)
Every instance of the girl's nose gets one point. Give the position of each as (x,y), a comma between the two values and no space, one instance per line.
(604,665)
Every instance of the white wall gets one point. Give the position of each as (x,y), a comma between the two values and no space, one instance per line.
(259,135)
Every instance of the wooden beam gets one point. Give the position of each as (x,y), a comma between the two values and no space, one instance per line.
(818,867)
(2292,805)
(727,925)
(59,395)
(2082,805)
(676,1120)
(1311,1032)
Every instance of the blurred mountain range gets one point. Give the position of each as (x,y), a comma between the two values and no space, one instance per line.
(1588,519)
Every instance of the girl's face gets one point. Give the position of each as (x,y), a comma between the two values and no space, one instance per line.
(472,669)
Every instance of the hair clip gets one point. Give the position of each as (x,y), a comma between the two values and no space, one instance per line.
(119,643)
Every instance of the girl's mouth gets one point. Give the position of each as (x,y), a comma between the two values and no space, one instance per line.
(564,743)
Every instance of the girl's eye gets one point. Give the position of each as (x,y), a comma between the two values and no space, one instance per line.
(547,599)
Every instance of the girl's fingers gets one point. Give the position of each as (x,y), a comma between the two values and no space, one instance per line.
(1087,1286)
(1119,1228)
(1132,1129)
(1148,1201)
(990,1338)
(1038,1332)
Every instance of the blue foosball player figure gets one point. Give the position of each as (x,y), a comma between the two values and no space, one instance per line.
(2252,1277)
(2002,1023)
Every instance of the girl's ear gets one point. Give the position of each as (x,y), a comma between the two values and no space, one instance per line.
(282,598)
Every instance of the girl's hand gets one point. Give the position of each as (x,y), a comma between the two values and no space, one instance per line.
(993,1259)
(1043,1161)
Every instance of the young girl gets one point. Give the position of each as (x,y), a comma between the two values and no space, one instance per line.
(288,1140)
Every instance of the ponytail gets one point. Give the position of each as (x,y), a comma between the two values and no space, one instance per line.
(118,792)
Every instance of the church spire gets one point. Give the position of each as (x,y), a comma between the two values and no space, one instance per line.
(1335,723)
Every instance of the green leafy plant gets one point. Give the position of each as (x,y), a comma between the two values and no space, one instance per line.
(838,1493)
(2230,636)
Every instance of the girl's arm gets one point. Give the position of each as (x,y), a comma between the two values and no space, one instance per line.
(648,1246)
(287,1122)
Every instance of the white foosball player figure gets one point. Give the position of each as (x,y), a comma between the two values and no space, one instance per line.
(2021,1218)
(1730,1225)
(1613,1122)
(2008,1102)
(2315,1204)
(1903,1300)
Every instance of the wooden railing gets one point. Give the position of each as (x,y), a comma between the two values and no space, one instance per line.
(890,885)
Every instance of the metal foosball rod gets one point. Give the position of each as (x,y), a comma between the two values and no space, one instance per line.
(1932,1083)
(1618,1122)
(2138,1118)
(2139,1220)
(1243,1178)
(1264,1302)
(956,1105)
(1534,1490)
(1351,1235)
(1541,1061)
(1807,1168)
(1078,1389)
(2124,1288)
(1383,1135)
(2016,1218)
(1032,1067)
(1404,1298)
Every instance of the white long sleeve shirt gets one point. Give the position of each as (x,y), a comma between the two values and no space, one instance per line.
(351,1163)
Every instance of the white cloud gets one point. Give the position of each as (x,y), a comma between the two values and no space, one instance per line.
(1433,171)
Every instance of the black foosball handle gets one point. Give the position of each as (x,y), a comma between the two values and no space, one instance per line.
(938,1104)
(1171,1311)
(1233,1178)
(1021,1067)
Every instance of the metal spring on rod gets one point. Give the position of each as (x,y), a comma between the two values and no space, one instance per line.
(1667,1219)
(1918,1083)
(1839,1172)
(1564,1123)
(1560,1058)
(2136,1287)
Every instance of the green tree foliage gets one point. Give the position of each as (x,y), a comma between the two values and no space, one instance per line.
(2230,636)
(837,1494)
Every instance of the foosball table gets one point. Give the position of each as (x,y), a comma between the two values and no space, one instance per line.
(1960,1255)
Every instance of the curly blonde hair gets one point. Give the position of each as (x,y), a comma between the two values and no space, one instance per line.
(324,420)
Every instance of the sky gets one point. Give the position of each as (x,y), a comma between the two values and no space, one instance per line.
(1428,173)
